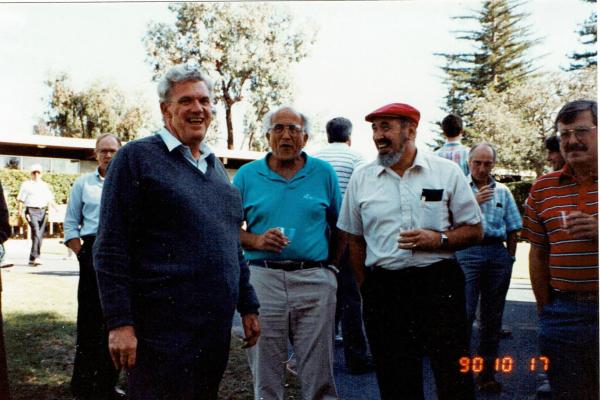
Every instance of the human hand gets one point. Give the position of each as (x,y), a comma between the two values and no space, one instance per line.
(251,330)
(74,244)
(580,225)
(122,345)
(419,239)
(484,194)
(272,240)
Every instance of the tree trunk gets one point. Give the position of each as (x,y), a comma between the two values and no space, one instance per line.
(229,126)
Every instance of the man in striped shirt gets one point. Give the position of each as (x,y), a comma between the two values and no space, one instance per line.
(561,223)
(349,303)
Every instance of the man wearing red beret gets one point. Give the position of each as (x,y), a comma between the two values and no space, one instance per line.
(405,215)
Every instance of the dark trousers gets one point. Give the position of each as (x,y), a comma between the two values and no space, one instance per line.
(37,222)
(93,370)
(412,312)
(179,365)
(349,312)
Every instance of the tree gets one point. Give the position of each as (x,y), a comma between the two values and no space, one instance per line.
(518,120)
(89,112)
(246,49)
(588,36)
(498,60)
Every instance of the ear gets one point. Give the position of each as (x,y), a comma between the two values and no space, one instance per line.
(305,139)
(268,136)
(164,109)
(412,131)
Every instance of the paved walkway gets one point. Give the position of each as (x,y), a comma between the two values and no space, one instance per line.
(519,383)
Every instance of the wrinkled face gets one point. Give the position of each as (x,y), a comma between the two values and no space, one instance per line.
(481,163)
(188,111)
(579,140)
(391,136)
(105,150)
(555,159)
(286,136)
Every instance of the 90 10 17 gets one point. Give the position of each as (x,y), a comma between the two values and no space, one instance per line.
(506,364)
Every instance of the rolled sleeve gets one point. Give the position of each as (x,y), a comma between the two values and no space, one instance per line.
(74,213)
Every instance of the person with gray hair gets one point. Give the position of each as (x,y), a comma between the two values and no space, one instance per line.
(291,203)
(488,265)
(167,254)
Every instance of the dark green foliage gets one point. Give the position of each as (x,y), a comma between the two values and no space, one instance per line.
(498,59)
(11,182)
(520,191)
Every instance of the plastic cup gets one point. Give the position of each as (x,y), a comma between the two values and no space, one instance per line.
(563,219)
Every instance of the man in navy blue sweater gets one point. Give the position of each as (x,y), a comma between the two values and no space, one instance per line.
(168,257)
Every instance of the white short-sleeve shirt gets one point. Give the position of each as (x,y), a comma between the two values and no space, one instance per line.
(432,194)
(35,194)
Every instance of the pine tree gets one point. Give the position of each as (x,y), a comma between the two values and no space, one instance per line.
(498,60)
(588,36)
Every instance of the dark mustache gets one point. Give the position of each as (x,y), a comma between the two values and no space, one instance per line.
(576,147)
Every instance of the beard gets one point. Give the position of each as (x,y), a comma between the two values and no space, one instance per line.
(389,159)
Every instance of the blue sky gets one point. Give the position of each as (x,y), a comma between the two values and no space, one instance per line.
(367,54)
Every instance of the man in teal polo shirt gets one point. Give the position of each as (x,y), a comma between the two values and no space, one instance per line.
(291,203)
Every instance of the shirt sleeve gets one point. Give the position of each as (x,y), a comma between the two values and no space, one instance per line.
(22,196)
(74,214)
(114,239)
(350,219)
(512,217)
(533,229)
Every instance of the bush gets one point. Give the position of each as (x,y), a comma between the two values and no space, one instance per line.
(520,191)
(11,182)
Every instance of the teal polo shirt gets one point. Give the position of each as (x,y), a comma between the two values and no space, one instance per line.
(309,202)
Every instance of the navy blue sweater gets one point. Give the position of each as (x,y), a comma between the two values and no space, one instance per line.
(168,253)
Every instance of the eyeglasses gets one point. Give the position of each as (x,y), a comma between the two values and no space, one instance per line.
(578,132)
(292,128)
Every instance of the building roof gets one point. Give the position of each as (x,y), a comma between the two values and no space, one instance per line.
(83,149)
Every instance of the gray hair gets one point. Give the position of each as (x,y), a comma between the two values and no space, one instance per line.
(105,135)
(266,121)
(482,144)
(180,73)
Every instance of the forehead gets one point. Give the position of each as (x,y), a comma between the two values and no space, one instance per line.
(583,118)
(482,153)
(189,88)
(107,141)
(287,115)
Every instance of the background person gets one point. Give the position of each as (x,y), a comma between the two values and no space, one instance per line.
(553,156)
(36,196)
(349,303)
(94,374)
(453,149)
(488,265)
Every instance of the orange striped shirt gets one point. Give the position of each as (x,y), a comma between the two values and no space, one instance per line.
(573,263)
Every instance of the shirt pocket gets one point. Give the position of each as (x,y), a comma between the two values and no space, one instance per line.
(432,207)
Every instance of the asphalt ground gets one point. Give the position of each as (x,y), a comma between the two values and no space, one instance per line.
(517,351)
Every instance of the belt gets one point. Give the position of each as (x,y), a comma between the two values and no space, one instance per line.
(491,240)
(575,296)
(36,208)
(287,265)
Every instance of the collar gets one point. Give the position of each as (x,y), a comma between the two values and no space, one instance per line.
(338,144)
(566,174)
(473,185)
(263,168)
(420,161)
(172,142)
(452,144)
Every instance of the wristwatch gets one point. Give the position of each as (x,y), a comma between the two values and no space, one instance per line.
(443,240)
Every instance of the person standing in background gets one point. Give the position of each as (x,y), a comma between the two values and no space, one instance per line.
(35,195)
(94,375)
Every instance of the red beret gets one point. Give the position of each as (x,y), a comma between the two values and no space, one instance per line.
(395,110)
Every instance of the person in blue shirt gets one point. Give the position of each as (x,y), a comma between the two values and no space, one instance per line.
(453,149)
(488,265)
(291,203)
(94,375)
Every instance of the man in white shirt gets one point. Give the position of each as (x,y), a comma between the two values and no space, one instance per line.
(405,214)
(36,196)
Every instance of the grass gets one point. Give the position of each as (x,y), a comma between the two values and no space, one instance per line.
(39,310)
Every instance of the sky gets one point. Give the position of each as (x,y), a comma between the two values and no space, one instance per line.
(366,54)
